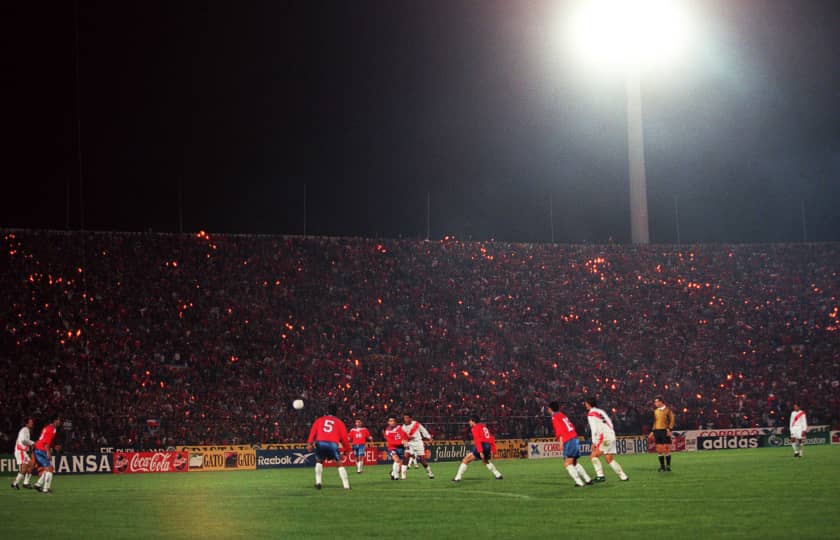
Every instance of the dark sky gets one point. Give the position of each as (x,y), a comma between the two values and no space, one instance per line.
(374,104)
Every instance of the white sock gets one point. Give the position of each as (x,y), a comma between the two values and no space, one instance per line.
(342,473)
(40,481)
(18,478)
(395,470)
(618,470)
(358,466)
(48,481)
(319,472)
(582,472)
(462,468)
(26,479)
(403,468)
(574,474)
(599,469)
(492,468)
(429,470)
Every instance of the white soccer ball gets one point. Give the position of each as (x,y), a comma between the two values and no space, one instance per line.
(297,404)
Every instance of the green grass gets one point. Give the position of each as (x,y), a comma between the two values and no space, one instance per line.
(762,493)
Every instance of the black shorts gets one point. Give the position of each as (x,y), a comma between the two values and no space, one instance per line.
(661,436)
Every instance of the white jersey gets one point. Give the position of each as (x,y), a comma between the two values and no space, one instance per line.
(798,424)
(21,445)
(600,425)
(23,440)
(416,432)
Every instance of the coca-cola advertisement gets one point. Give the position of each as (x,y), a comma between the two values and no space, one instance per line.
(151,462)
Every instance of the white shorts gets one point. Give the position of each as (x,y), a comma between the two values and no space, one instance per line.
(797,434)
(21,457)
(416,448)
(608,446)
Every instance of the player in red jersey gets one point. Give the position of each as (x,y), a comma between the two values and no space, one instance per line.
(43,455)
(485,447)
(327,433)
(396,439)
(565,432)
(359,436)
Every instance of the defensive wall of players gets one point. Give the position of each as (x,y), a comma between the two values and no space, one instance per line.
(181,459)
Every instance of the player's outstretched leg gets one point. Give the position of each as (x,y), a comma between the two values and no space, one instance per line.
(618,470)
(462,468)
(425,465)
(319,473)
(342,473)
(492,468)
(582,472)
(571,468)
(599,469)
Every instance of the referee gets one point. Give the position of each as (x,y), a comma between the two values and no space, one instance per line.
(663,423)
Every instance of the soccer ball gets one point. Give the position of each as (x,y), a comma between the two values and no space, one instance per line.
(297,404)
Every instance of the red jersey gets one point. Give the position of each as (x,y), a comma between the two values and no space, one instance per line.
(359,435)
(329,429)
(45,440)
(395,437)
(481,435)
(564,429)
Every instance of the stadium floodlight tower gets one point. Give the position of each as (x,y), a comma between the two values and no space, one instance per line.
(634,36)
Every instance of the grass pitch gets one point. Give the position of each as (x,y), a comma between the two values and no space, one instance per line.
(763,493)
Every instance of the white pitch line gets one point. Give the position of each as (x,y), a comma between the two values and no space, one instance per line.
(500,494)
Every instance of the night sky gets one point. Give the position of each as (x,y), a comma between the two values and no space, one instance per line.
(373,104)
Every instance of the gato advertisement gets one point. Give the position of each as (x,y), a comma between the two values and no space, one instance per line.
(230,460)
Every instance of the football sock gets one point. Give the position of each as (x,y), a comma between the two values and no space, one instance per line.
(661,461)
(319,472)
(492,468)
(428,469)
(40,481)
(342,473)
(395,470)
(48,480)
(26,479)
(403,469)
(582,472)
(599,469)
(618,470)
(18,478)
(574,474)
(359,466)
(462,468)
(668,460)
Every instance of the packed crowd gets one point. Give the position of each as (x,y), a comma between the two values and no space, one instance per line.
(146,340)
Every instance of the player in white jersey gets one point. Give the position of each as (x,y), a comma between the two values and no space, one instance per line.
(798,430)
(603,440)
(416,432)
(23,445)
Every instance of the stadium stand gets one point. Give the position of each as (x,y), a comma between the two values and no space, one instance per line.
(213,336)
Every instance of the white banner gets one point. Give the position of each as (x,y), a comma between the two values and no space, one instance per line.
(540,450)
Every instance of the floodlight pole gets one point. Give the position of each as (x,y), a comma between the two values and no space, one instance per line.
(639,231)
